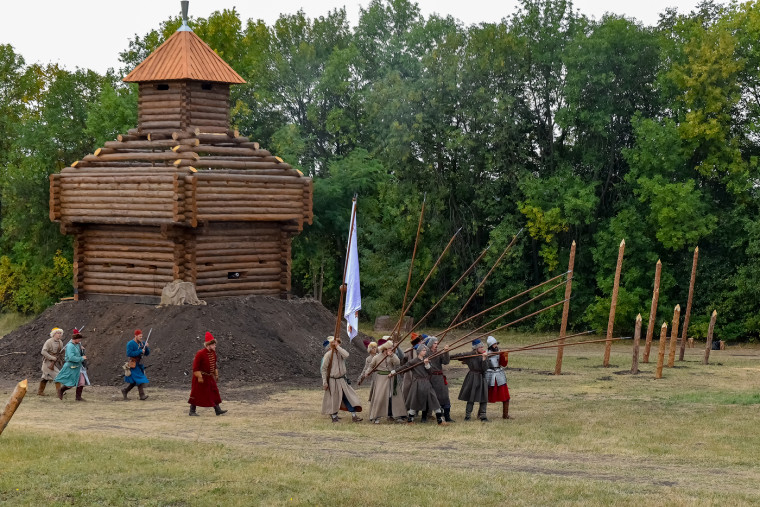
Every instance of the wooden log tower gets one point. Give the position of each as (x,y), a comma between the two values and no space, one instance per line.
(182,196)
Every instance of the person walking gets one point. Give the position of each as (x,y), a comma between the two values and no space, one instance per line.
(204,391)
(52,359)
(136,349)
(338,394)
(73,373)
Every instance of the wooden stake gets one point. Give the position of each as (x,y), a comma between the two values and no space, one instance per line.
(653,310)
(12,405)
(674,335)
(710,330)
(565,311)
(661,350)
(636,337)
(684,334)
(613,304)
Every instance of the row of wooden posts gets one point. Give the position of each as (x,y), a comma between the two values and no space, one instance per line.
(674,339)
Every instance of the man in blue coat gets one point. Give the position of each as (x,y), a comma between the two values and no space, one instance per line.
(72,373)
(136,349)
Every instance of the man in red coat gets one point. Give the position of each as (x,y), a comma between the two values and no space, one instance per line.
(204,391)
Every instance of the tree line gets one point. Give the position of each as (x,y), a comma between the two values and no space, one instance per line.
(567,127)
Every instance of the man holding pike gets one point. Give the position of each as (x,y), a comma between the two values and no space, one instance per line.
(134,371)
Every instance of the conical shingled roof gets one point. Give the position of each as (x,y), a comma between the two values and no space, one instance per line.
(184,56)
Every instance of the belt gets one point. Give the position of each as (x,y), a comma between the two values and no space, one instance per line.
(383,372)
(437,372)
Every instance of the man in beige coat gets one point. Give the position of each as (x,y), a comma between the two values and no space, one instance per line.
(338,394)
(52,358)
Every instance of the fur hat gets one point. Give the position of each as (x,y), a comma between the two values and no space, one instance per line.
(416,338)
(55,330)
(209,338)
(491,341)
(76,335)
(384,339)
(137,331)
(476,343)
(387,344)
(372,345)
(420,347)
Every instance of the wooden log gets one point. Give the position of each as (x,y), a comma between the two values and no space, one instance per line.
(210,125)
(661,350)
(161,103)
(259,180)
(103,151)
(160,155)
(674,335)
(653,310)
(110,289)
(128,255)
(17,396)
(253,146)
(123,191)
(120,261)
(710,330)
(85,219)
(235,193)
(613,305)
(237,257)
(208,129)
(244,292)
(161,96)
(99,278)
(208,95)
(169,125)
(97,270)
(239,164)
(565,311)
(233,285)
(217,108)
(129,137)
(224,150)
(158,283)
(685,330)
(636,338)
(246,157)
(159,134)
(202,275)
(240,211)
(117,208)
(161,120)
(114,233)
(196,116)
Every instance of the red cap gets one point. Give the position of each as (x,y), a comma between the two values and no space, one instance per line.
(137,331)
(209,338)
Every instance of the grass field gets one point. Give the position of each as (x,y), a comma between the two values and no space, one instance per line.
(592,436)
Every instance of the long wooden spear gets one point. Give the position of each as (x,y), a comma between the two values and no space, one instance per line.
(336,335)
(397,327)
(483,281)
(556,345)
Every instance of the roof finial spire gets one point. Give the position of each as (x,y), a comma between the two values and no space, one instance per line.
(185,27)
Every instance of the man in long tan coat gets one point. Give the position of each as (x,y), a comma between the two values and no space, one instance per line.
(338,394)
(52,358)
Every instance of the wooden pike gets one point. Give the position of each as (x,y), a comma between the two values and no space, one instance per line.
(661,350)
(10,408)
(613,303)
(397,327)
(565,310)
(653,310)
(483,281)
(674,335)
(684,332)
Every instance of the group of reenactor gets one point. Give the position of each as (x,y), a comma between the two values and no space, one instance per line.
(66,365)
(420,385)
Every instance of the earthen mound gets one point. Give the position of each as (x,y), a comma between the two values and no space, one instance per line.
(260,339)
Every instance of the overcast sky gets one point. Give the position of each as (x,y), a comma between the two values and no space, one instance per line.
(91,33)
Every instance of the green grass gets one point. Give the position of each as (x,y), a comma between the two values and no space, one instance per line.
(592,436)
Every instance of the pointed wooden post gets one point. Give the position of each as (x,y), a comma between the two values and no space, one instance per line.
(565,311)
(710,330)
(661,350)
(613,305)
(674,335)
(684,334)
(12,405)
(636,338)
(653,310)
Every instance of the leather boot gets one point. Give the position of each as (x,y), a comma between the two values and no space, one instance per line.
(125,390)
(79,394)
(355,418)
(219,410)
(141,390)
(423,419)
(192,410)
(447,415)
(439,419)
(505,414)
(334,418)
(468,411)
(410,419)
(61,389)
(41,390)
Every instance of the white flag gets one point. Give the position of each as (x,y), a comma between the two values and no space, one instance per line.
(353,293)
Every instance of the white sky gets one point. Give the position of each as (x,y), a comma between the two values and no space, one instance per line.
(91,33)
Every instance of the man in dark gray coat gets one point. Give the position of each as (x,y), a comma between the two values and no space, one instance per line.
(474,388)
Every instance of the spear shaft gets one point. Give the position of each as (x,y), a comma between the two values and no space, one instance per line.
(397,327)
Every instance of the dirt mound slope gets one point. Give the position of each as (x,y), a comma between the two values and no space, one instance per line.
(260,339)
